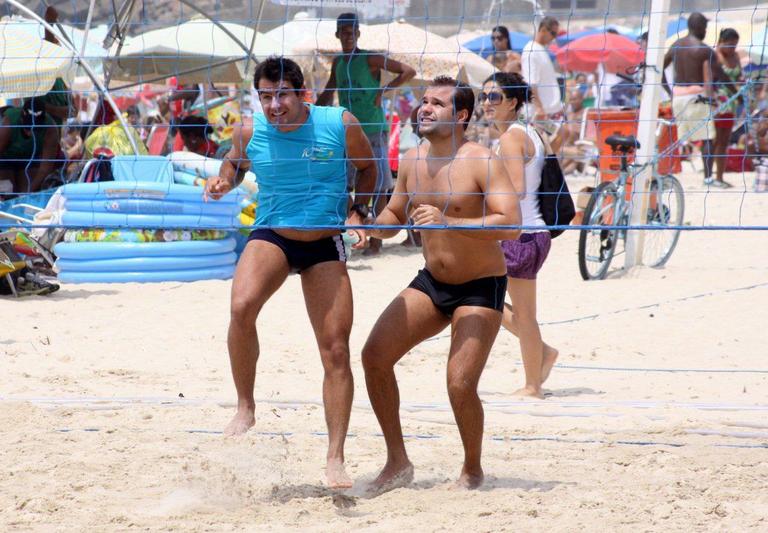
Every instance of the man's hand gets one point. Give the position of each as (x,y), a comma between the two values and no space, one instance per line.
(356,220)
(216,187)
(428,215)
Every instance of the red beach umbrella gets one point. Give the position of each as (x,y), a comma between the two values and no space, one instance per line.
(616,52)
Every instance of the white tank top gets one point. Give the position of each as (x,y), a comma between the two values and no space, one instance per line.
(529,200)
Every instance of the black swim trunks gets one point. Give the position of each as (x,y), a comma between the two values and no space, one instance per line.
(303,254)
(482,292)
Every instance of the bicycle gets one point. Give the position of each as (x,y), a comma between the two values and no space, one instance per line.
(608,212)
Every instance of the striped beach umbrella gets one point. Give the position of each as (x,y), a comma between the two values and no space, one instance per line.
(29,65)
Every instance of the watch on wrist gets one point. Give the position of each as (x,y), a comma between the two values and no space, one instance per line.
(361,209)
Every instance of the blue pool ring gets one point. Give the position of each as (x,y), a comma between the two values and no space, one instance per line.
(148,190)
(77,219)
(142,206)
(112,250)
(146,264)
(197,274)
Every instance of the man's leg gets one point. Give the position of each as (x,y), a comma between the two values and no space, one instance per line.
(408,320)
(473,330)
(260,272)
(328,296)
(520,319)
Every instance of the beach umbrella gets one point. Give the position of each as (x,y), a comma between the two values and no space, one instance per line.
(615,52)
(197,51)
(29,65)
(569,36)
(483,45)
(430,54)
(302,28)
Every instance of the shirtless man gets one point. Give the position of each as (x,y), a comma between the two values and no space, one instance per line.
(447,181)
(299,154)
(694,62)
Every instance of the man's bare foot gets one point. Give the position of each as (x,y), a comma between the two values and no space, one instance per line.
(529,392)
(336,476)
(469,480)
(548,361)
(243,420)
(393,476)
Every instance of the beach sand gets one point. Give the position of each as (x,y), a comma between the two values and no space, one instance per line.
(114,396)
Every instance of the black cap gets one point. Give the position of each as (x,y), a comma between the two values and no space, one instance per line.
(347,19)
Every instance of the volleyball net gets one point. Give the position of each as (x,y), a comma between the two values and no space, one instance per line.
(88,86)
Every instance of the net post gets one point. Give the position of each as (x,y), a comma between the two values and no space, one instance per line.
(646,131)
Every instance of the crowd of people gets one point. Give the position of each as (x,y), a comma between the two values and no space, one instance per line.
(45,140)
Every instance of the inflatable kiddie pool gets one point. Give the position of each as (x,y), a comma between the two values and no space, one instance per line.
(140,229)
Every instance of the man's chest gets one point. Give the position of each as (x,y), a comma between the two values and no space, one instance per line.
(451,189)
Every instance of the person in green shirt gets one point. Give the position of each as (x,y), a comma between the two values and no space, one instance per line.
(356,76)
(29,142)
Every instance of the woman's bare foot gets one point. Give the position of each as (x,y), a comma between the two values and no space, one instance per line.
(529,392)
(243,420)
(336,475)
(469,480)
(393,476)
(548,361)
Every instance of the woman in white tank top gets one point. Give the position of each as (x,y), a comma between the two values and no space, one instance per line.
(523,152)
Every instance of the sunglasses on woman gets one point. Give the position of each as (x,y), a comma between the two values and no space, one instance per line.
(493,97)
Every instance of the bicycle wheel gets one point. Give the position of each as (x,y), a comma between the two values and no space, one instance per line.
(597,245)
(666,207)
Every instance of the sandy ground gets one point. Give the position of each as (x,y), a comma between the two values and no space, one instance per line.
(113,397)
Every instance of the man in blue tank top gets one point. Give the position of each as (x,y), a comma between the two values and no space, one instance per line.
(299,154)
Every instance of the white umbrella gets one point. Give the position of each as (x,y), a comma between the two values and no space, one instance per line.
(302,28)
(29,65)
(430,54)
(197,51)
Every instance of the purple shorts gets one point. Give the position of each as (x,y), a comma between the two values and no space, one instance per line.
(525,256)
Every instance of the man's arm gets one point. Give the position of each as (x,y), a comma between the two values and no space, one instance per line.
(707,76)
(395,213)
(667,61)
(502,207)
(5,134)
(403,71)
(47,155)
(360,153)
(234,166)
(326,97)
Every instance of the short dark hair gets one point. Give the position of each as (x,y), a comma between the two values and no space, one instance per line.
(697,20)
(279,68)
(513,86)
(548,22)
(33,111)
(728,34)
(193,125)
(463,97)
(347,19)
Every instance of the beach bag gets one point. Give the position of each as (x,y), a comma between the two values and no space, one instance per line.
(555,202)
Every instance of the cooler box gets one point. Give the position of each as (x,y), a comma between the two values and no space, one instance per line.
(615,121)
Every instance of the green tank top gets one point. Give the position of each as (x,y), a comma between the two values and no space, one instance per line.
(357,90)
(21,147)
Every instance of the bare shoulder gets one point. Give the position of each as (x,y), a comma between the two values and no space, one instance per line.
(472,151)
(409,158)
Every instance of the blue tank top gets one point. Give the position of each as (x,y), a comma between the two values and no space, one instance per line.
(302,174)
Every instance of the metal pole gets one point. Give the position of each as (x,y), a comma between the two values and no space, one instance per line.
(88,71)
(88,21)
(646,130)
